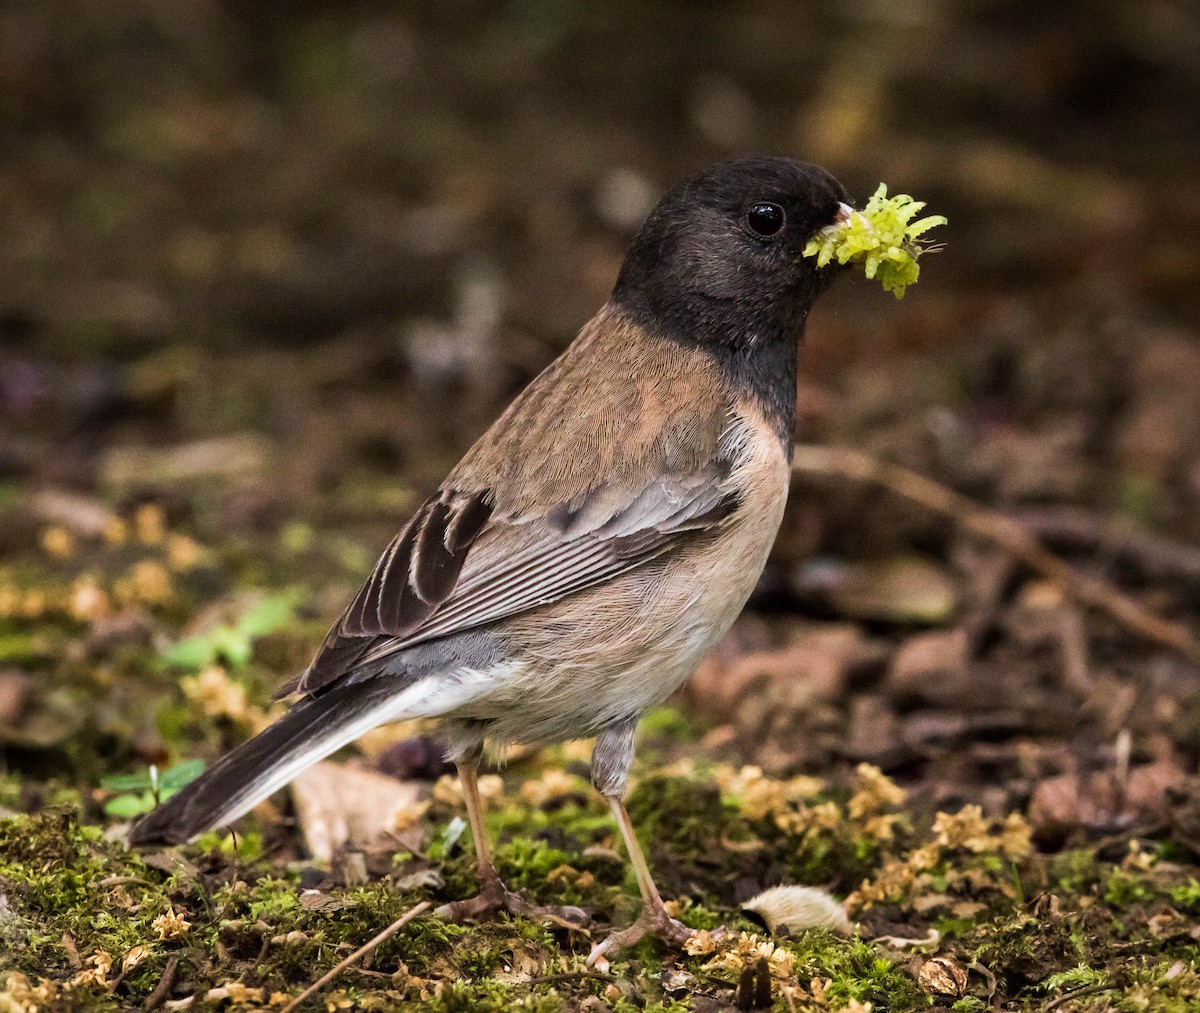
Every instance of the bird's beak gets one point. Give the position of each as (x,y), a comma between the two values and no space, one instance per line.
(843,214)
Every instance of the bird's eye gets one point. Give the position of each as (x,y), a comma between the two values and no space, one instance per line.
(765,218)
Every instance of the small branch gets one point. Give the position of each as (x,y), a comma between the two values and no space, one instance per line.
(1011,535)
(1153,555)
(987,976)
(165,984)
(358,954)
(1079,993)
(543,979)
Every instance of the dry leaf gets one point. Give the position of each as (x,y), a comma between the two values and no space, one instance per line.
(900,589)
(340,804)
(786,680)
(931,666)
(1067,802)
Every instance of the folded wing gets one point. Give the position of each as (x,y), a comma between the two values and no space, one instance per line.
(460,564)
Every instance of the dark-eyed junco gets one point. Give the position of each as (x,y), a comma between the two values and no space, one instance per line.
(586,553)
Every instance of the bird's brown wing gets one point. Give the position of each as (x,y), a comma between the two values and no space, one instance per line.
(453,569)
(613,456)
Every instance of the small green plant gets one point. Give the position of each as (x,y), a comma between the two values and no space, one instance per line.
(233,644)
(882,237)
(1186,895)
(442,847)
(247,847)
(1080,976)
(141,792)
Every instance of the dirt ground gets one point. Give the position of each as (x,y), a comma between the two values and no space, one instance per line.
(266,274)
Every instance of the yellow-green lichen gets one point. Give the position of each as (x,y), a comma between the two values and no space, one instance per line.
(882,237)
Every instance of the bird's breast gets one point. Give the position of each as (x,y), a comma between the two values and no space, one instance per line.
(616,650)
(730,565)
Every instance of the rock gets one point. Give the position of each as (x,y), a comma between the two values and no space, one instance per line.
(933,666)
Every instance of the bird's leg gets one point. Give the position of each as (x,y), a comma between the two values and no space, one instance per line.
(493,894)
(610,771)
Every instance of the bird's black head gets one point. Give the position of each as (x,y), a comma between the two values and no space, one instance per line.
(718,262)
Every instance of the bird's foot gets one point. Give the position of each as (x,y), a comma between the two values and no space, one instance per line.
(653,921)
(495,896)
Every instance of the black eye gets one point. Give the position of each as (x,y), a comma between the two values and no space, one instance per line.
(764,218)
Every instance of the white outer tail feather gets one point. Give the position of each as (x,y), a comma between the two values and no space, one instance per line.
(431,697)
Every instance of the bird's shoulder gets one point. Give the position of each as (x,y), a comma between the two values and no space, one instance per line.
(627,447)
(619,408)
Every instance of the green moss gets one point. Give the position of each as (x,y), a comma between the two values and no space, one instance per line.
(491,997)
(626,1005)
(1186,896)
(1122,889)
(1161,986)
(10,790)
(1076,870)
(697,916)
(856,971)
(681,815)
(881,237)
(73,895)
(668,723)
(1024,950)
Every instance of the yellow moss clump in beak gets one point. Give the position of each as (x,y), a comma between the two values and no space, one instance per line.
(882,237)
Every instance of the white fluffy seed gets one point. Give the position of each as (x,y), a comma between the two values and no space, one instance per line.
(799,907)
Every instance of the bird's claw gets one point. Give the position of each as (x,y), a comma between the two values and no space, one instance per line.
(653,922)
(495,896)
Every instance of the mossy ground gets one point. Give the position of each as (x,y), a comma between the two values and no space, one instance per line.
(248,922)
(88,924)
(130,675)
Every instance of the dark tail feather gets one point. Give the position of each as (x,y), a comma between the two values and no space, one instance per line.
(312,730)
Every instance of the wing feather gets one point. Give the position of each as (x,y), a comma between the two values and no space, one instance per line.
(457,566)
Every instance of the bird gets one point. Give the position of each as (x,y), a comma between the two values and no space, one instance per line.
(585,554)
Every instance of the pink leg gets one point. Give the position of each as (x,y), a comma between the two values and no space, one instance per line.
(493,894)
(654,918)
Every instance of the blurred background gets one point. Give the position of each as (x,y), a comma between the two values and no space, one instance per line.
(268,269)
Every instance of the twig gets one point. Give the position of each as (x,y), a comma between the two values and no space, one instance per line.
(165,984)
(987,976)
(1073,643)
(1155,556)
(358,954)
(118,881)
(368,972)
(989,569)
(1010,534)
(542,979)
(1079,993)
(68,943)
(1120,775)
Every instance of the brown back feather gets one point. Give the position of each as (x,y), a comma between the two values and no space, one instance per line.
(605,461)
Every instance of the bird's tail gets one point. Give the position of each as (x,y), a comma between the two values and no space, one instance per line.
(313,729)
